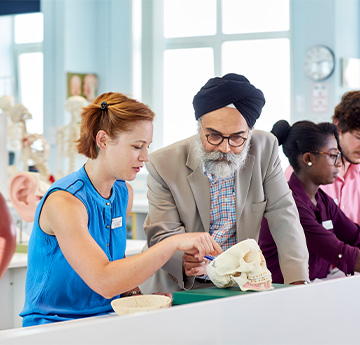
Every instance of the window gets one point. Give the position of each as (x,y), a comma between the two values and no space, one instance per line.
(28,37)
(180,88)
(28,28)
(266,63)
(207,38)
(187,18)
(241,17)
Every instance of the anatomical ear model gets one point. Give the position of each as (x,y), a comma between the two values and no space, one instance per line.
(25,191)
(67,135)
(7,236)
(242,264)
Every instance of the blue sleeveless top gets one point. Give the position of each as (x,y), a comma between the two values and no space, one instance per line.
(54,291)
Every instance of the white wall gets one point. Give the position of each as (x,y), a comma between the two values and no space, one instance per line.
(334,23)
(91,36)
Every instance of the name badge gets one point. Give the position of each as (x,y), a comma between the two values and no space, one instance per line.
(327,224)
(116,223)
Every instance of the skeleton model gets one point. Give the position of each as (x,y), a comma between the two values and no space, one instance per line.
(33,148)
(6,102)
(67,135)
(18,115)
(13,132)
(242,264)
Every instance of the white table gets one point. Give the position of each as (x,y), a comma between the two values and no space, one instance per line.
(12,286)
(12,292)
(323,313)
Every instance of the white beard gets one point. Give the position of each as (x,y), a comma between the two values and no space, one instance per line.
(221,165)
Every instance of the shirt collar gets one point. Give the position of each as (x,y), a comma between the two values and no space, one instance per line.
(213,179)
(299,191)
(355,168)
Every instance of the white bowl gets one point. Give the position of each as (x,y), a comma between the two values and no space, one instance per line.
(137,303)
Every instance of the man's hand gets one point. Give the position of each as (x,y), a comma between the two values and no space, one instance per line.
(167,294)
(193,266)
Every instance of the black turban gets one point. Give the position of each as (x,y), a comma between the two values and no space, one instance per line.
(230,89)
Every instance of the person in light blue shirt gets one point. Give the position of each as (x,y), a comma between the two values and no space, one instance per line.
(76,263)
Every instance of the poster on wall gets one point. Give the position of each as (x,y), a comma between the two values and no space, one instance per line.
(82,84)
(320,98)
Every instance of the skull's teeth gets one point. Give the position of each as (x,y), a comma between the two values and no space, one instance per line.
(261,278)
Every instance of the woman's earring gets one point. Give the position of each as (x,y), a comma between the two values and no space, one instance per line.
(309,164)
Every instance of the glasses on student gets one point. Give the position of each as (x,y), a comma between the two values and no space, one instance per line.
(233,140)
(334,156)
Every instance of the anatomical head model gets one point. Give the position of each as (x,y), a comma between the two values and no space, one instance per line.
(242,264)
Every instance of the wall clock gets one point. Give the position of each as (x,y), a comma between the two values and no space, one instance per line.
(319,62)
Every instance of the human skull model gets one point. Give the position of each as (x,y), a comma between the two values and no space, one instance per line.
(242,264)
(6,102)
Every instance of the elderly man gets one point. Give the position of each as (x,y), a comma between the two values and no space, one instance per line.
(222,180)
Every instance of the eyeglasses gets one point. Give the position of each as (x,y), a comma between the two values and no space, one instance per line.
(233,140)
(333,156)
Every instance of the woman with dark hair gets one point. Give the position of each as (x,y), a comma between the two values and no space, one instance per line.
(76,262)
(314,153)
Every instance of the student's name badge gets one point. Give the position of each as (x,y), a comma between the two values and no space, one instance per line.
(327,224)
(116,223)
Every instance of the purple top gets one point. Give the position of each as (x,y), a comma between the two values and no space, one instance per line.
(331,237)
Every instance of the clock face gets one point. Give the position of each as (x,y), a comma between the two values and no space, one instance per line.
(319,62)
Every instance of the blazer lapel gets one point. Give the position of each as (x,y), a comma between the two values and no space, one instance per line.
(199,184)
(242,184)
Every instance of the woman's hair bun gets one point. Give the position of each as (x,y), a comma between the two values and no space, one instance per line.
(280,130)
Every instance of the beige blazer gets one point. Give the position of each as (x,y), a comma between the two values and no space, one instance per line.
(179,201)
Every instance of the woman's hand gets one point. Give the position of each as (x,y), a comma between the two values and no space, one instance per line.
(197,244)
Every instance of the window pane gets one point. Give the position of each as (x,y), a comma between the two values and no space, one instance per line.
(185,72)
(29,28)
(184,18)
(242,16)
(266,63)
(31,89)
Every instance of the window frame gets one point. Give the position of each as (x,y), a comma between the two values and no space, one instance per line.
(154,54)
(18,50)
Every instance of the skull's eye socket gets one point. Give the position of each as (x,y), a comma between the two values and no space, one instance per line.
(250,256)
